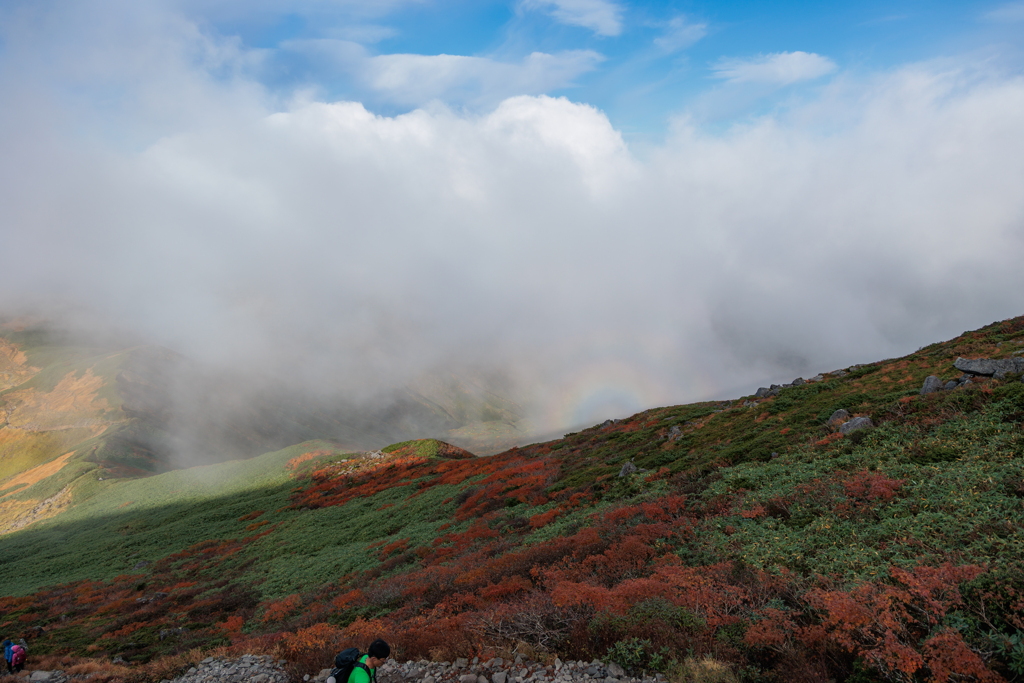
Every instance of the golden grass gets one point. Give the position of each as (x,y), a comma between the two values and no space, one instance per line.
(73,402)
(38,473)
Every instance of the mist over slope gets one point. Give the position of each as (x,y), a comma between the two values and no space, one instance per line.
(80,404)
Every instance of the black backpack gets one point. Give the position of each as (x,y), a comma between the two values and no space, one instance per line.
(346,661)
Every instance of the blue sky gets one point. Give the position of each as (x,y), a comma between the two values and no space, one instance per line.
(642,63)
(615,205)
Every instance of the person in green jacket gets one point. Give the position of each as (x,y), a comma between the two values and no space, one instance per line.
(376,654)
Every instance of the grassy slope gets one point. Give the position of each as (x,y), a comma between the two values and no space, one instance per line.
(938,483)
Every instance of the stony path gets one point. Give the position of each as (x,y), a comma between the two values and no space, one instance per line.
(266,669)
(500,671)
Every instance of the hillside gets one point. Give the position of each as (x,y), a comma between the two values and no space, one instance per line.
(761,532)
(76,409)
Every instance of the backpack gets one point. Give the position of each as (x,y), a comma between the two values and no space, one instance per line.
(17,655)
(347,660)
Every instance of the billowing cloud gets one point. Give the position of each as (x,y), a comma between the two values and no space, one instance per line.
(680,34)
(344,251)
(600,16)
(779,68)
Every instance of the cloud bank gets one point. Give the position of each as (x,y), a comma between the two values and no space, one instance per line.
(153,181)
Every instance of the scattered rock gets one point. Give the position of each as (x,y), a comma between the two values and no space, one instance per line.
(254,668)
(838,418)
(855,424)
(799,381)
(628,469)
(931,385)
(762,392)
(500,677)
(616,670)
(950,385)
(674,433)
(817,378)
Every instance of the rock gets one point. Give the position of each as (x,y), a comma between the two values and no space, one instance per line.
(428,679)
(627,469)
(500,677)
(461,663)
(481,679)
(762,392)
(611,679)
(950,385)
(616,670)
(558,663)
(41,676)
(931,385)
(838,418)
(799,381)
(467,678)
(263,678)
(141,563)
(607,423)
(989,367)
(838,373)
(498,661)
(674,433)
(855,424)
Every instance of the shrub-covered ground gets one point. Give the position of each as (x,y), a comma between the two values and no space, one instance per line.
(754,533)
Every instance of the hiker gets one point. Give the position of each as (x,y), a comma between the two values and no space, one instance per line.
(351,667)
(376,654)
(7,655)
(18,653)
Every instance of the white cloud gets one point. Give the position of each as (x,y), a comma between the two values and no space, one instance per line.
(680,34)
(347,250)
(600,16)
(780,68)
(1011,12)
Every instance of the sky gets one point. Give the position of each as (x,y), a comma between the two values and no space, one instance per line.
(618,205)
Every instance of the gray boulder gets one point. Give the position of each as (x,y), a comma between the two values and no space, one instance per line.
(616,670)
(628,469)
(950,385)
(931,385)
(838,418)
(989,367)
(855,424)
(762,392)
(799,381)
(499,677)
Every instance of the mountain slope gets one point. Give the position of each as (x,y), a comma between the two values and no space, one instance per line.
(759,534)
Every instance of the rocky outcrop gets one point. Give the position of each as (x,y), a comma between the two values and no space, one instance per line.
(931,385)
(990,367)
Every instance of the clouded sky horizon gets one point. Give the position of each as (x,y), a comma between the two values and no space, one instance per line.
(620,204)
